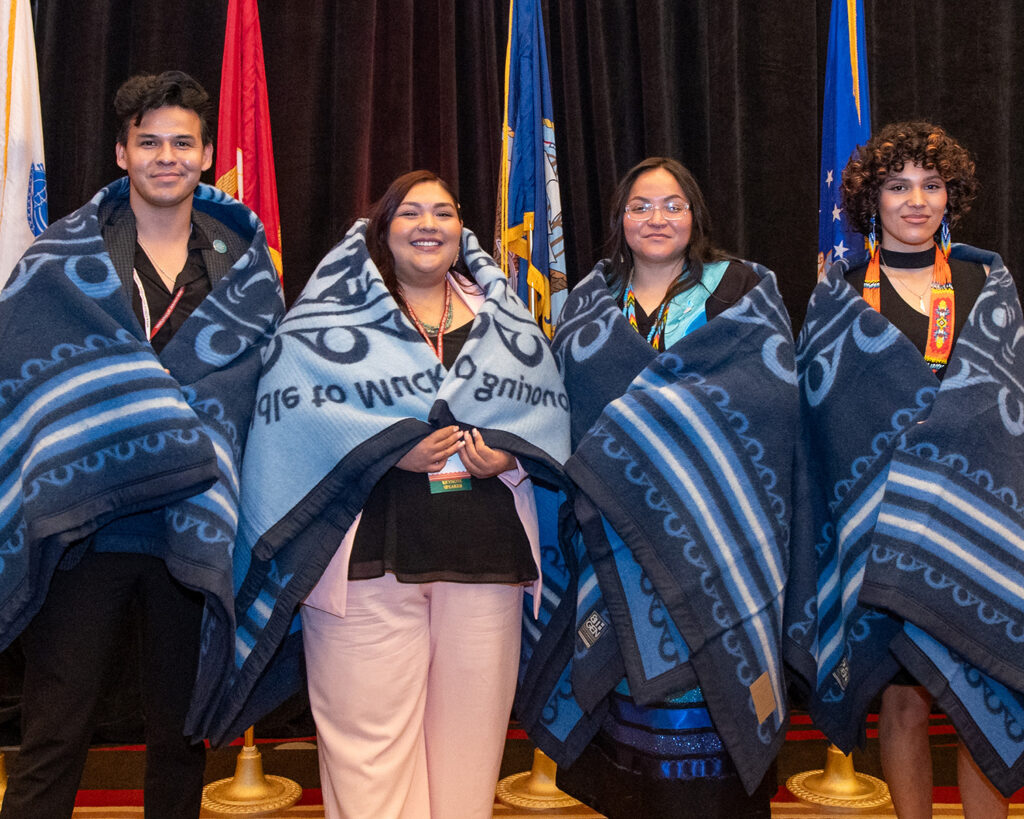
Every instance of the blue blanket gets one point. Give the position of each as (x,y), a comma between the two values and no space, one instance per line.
(911,532)
(671,567)
(348,388)
(93,425)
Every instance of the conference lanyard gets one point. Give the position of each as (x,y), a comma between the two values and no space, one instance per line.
(153,329)
(439,350)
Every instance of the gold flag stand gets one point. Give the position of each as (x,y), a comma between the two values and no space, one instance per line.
(839,786)
(534,789)
(3,777)
(249,792)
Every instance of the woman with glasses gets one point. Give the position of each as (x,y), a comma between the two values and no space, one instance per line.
(663,269)
(678,362)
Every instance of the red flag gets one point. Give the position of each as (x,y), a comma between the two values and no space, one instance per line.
(245,153)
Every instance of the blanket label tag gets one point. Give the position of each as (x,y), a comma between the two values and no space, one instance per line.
(592,628)
(841,673)
(763,695)
(453,477)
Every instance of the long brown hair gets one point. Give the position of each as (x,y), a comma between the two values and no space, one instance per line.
(699,249)
(379,224)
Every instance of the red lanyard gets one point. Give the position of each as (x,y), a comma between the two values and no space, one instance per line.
(439,350)
(167,313)
(146,317)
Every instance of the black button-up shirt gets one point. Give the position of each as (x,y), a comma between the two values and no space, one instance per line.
(193,278)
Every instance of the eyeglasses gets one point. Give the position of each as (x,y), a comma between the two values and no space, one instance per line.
(642,211)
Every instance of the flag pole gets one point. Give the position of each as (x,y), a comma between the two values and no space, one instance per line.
(534,789)
(846,122)
(245,170)
(503,225)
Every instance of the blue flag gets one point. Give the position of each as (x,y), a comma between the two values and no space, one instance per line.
(530,246)
(845,124)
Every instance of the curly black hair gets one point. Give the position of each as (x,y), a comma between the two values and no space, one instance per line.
(143,93)
(895,145)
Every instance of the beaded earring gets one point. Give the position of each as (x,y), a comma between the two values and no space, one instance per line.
(944,240)
(871,291)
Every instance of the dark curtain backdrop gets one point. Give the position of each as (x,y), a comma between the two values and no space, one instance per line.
(363,91)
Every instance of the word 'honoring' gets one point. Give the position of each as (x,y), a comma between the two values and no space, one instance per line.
(484,386)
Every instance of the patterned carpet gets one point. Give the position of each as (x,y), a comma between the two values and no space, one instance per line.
(111,783)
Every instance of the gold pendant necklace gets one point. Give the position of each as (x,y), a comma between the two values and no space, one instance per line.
(920,296)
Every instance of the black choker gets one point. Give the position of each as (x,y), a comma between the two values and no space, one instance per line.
(908,261)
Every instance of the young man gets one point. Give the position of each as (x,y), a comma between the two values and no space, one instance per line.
(131,336)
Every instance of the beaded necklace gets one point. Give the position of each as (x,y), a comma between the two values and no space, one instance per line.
(445,321)
(657,329)
(941,310)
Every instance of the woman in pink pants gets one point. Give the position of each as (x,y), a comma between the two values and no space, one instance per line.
(411,636)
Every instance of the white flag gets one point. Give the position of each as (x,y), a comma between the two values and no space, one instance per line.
(23,180)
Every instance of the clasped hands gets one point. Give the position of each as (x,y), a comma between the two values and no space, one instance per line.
(433,452)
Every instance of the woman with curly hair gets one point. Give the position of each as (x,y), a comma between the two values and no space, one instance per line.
(906,188)
(910,184)
(911,396)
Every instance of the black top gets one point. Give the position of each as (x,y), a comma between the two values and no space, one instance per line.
(470,536)
(737,281)
(968,279)
(192,278)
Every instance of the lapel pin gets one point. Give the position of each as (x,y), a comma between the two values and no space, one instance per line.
(219,246)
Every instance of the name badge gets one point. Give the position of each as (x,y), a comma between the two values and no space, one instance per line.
(453,477)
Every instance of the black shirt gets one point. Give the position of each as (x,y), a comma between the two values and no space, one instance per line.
(192,277)
(968,279)
(470,536)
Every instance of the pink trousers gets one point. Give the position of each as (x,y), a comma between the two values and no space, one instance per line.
(411,692)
